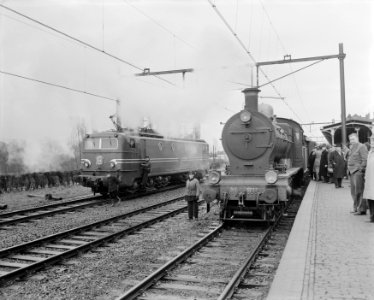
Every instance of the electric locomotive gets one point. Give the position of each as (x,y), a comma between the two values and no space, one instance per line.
(119,155)
(267,159)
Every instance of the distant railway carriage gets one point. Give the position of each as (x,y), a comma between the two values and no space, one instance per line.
(267,157)
(120,154)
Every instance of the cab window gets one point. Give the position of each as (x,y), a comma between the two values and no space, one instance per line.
(109,143)
(92,143)
(101,143)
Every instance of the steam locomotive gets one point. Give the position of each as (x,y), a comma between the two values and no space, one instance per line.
(119,155)
(267,158)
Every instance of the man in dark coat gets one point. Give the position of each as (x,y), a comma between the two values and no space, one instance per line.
(338,164)
(324,164)
(311,159)
(146,169)
(113,188)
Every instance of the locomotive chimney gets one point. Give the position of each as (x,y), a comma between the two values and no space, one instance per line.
(251,98)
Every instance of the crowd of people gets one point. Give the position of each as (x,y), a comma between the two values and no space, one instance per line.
(330,164)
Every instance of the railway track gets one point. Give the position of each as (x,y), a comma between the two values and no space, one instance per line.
(24,215)
(202,271)
(21,216)
(26,258)
(215,267)
(257,281)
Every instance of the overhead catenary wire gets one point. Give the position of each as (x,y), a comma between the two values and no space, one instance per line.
(293,72)
(131,4)
(250,55)
(57,85)
(81,42)
(285,51)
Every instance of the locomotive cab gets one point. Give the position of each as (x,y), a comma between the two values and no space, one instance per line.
(102,158)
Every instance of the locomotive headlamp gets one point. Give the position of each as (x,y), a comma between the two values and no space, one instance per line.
(112,164)
(245,116)
(214,177)
(271,177)
(85,162)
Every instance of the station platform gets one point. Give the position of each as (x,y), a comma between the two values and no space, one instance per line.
(330,252)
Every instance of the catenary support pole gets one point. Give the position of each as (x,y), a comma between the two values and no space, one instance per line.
(342,94)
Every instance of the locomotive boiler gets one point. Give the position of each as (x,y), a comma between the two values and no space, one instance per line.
(118,156)
(266,162)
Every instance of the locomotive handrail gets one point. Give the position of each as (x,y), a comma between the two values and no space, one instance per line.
(252,131)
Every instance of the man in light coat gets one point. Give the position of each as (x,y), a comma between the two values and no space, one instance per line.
(356,167)
(369,180)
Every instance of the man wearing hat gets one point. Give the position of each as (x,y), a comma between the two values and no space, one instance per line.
(338,164)
(369,180)
(192,195)
(356,168)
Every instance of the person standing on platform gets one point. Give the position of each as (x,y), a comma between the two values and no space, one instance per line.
(192,195)
(356,167)
(317,163)
(369,180)
(324,164)
(338,164)
(330,171)
(346,152)
(311,159)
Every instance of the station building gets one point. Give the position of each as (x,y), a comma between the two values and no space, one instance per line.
(363,126)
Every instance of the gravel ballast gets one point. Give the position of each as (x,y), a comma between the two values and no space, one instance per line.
(106,272)
(61,222)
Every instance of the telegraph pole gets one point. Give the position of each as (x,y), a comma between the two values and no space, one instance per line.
(287,59)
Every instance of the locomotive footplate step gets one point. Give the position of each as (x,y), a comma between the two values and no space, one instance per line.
(247,221)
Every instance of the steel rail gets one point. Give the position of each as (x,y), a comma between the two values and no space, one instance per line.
(238,276)
(229,289)
(235,280)
(21,211)
(159,273)
(92,201)
(66,206)
(72,249)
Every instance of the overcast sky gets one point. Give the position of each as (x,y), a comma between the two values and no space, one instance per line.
(175,34)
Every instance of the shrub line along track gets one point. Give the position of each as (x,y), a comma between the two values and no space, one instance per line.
(220,247)
(45,251)
(24,215)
